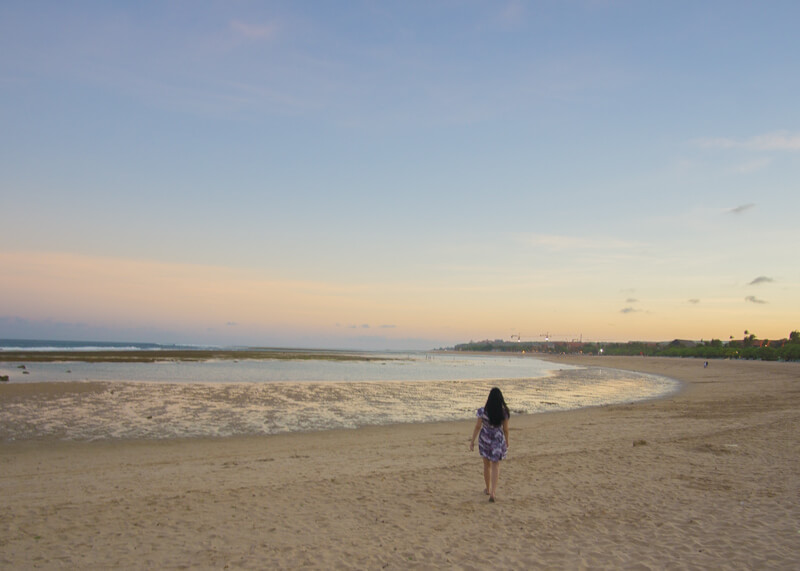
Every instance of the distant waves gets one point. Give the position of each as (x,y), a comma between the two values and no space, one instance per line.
(53,345)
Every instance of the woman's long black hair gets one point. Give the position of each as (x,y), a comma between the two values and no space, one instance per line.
(496,408)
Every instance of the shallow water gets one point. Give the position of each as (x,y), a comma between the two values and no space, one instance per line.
(419,389)
(379,367)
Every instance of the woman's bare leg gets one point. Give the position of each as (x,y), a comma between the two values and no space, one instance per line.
(494,477)
(486,474)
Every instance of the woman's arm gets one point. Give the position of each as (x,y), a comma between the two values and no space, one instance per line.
(505,430)
(475,432)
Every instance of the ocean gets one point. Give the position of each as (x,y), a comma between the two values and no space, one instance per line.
(219,398)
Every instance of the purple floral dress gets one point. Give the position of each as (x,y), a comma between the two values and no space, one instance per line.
(491,441)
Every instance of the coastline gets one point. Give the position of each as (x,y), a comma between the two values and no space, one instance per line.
(161,355)
(214,399)
(706,477)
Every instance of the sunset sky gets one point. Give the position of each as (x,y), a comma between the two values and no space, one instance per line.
(398,175)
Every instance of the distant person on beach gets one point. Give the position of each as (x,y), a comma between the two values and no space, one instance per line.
(492,425)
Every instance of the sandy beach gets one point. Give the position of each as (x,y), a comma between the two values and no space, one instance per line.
(708,478)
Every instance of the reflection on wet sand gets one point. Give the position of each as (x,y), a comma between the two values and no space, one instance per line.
(110,410)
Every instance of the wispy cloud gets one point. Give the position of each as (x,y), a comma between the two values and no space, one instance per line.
(629,310)
(752,166)
(254,31)
(512,13)
(777,141)
(559,242)
(761,280)
(753,299)
(694,301)
(741,208)
(631,300)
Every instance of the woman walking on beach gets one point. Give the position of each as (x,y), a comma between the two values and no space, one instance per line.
(492,425)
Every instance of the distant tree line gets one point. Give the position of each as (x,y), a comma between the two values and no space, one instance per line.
(749,347)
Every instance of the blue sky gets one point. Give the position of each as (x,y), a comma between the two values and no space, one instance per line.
(398,174)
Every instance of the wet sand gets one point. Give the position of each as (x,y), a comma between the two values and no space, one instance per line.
(706,478)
